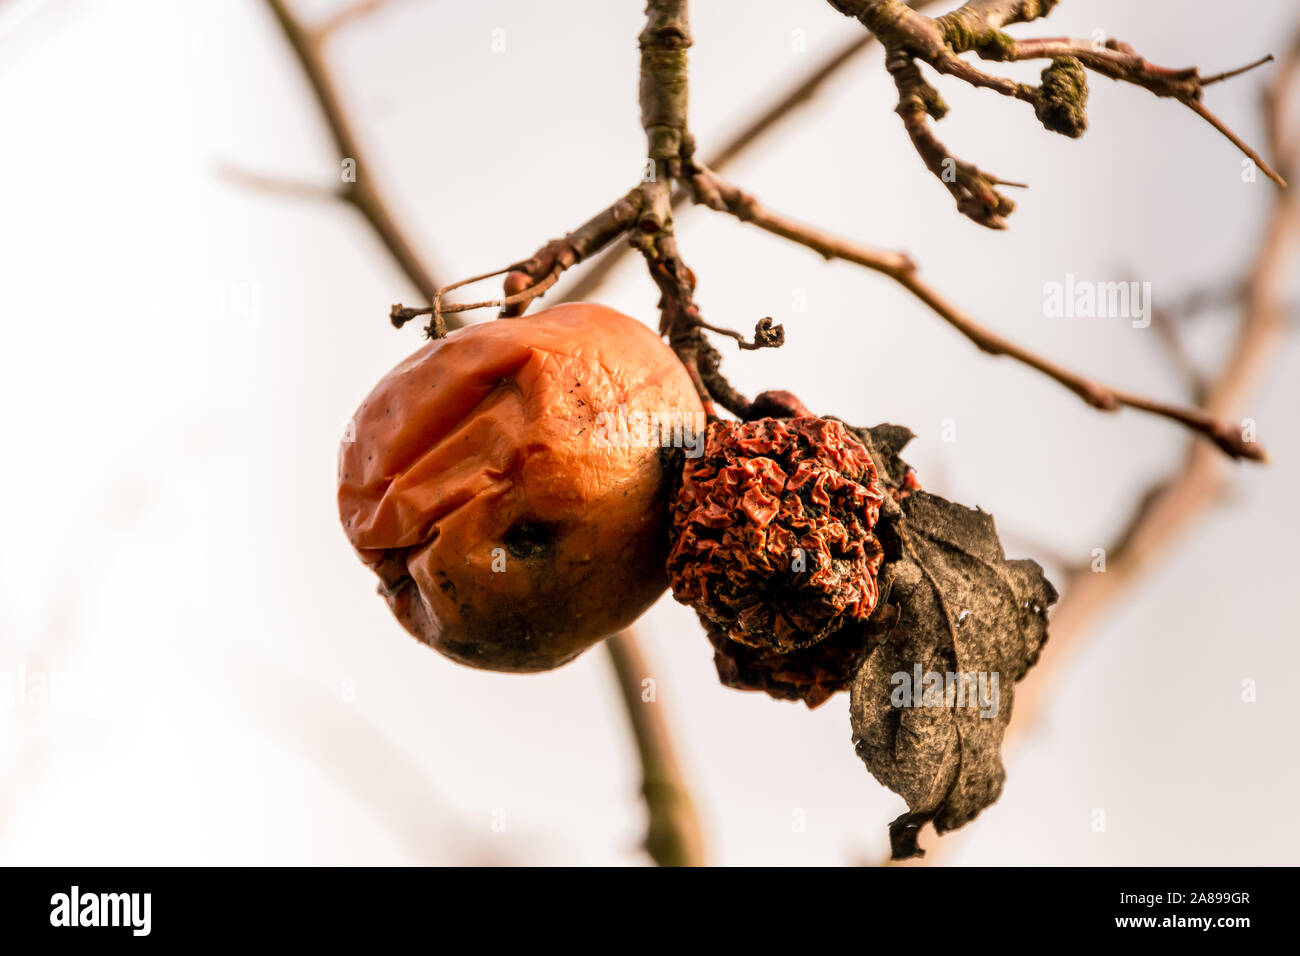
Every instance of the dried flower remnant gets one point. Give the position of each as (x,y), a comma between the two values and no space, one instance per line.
(772,531)
(815,673)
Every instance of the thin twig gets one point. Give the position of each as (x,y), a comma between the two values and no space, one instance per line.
(1060,103)
(727,198)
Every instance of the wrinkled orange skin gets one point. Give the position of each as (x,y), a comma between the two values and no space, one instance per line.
(507,531)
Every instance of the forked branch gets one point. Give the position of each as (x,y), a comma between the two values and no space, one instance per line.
(645,215)
(1059,102)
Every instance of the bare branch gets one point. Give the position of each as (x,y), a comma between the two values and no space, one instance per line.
(1175,504)
(669,148)
(727,198)
(645,215)
(1120,62)
(585,241)
(974,190)
(1229,74)
(1060,102)
(399,315)
(763,121)
(533,277)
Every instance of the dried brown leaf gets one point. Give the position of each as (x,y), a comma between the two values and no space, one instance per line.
(969,625)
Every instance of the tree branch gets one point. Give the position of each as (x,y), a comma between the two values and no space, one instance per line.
(1059,103)
(664,94)
(764,120)
(1179,502)
(717,194)
(907,35)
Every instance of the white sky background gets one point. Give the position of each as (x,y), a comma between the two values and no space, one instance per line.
(180,354)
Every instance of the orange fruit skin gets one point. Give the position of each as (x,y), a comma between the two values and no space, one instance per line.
(511,525)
